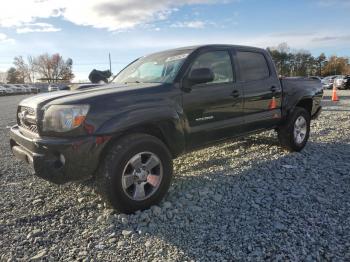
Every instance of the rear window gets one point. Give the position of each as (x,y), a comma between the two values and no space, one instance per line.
(253,66)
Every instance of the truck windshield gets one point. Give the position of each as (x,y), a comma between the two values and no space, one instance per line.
(156,68)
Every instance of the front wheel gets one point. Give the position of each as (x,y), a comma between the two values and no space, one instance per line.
(136,173)
(294,134)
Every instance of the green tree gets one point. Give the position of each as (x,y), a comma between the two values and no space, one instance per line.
(303,63)
(14,77)
(321,62)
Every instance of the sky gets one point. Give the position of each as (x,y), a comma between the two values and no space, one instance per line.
(87,30)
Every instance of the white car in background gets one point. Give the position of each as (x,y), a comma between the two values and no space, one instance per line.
(339,82)
(17,89)
(10,90)
(32,89)
(52,88)
(2,90)
(26,88)
(20,88)
(327,82)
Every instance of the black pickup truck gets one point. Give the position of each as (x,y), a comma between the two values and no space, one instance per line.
(125,134)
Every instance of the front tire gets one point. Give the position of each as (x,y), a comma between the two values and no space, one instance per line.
(136,173)
(294,134)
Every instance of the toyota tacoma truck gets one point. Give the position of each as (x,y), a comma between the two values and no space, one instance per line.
(126,133)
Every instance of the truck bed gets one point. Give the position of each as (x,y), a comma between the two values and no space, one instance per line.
(291,87)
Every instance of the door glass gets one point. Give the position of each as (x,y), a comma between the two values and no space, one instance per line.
(219,62)
(253,66)
(148,70)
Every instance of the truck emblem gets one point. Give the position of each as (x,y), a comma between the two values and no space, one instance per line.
(205,118)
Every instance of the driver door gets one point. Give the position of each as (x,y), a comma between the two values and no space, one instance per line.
(213,110)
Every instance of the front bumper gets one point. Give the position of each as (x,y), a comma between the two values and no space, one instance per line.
(55,159)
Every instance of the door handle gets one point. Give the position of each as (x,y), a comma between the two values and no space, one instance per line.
(273,89)
(235,93)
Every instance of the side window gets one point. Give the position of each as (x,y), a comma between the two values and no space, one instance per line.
(219,62)
(253,66)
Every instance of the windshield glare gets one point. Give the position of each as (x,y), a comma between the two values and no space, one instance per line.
(156,68)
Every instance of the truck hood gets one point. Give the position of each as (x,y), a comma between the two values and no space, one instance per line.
(40,100)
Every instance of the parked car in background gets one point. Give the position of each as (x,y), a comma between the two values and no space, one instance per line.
(327,82)
(20,88)
(316,78)
(347,82)
(52,88)
(58,88)
(26,89)
(2,91)
(10,89)
(34,89)
(64,87)
(339,82)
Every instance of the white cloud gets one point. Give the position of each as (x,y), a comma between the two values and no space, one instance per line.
(5,39)
(190,24)
(109,14)
(18,12)
(37,27)
(332,38)
(301,40)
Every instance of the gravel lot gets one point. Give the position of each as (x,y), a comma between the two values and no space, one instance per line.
(245,200)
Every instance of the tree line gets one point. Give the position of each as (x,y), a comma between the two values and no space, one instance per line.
(45,68)
(302,63)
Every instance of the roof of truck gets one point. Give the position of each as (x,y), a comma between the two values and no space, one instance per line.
(195,47)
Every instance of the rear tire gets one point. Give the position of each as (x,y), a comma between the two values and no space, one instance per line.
(136,173)
(294,133)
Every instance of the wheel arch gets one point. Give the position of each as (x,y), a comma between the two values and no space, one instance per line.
(306,103)
(173,140)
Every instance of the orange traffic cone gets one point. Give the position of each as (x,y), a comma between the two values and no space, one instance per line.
(335,97)
(273,104)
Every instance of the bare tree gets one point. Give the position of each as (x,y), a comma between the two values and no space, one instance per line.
(3,77)
(43,67)
(54,68)
(31,69)
(21,68)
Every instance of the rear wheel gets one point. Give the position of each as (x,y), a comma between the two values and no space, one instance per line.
(136,173)
(294,134)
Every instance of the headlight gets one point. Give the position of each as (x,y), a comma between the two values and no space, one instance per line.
(63,118)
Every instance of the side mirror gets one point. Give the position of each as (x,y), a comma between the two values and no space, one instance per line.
(201,76)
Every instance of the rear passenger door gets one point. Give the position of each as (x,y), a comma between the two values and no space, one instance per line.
(261,89)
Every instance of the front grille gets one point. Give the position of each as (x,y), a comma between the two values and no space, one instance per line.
(26,118)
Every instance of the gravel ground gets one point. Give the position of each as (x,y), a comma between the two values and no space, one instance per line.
(245,200)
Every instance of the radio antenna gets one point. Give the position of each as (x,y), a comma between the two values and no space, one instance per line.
(110,62)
